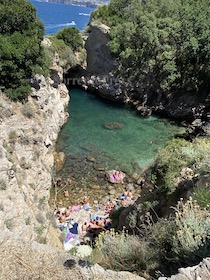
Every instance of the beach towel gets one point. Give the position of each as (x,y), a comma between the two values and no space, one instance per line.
(75,208)
(74,228)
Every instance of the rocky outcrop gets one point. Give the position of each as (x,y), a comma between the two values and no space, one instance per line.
(99,58)
(28,135)
(197,272)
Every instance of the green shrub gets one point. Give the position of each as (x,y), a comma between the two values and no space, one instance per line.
(65,52)
(169,163)
(21,54)
(191,241)
(179,154)
(125,252)
(202,196)
(71,37)
(164,44)
(39,230)
(164,246)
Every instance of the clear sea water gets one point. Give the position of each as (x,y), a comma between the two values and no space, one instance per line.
(57,16)
(133,145)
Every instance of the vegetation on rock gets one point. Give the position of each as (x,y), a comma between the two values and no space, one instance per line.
(160,247)
(71,37)
(163,44)
(181,160)
(66,55)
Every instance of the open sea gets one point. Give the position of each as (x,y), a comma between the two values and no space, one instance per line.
(57,16)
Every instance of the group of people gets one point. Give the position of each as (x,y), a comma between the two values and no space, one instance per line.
(87,231)
(95,226)
(124,199)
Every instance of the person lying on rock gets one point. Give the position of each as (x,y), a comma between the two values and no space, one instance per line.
(85,203)
(62,218)
(101,222)
(84,228)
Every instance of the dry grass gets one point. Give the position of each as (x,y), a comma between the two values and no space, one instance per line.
(22,262)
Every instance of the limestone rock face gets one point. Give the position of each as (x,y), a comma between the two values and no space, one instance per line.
(28,134)
(99,59)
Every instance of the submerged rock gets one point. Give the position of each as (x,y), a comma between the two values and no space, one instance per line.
(113,125)
(99,168)
(91,159)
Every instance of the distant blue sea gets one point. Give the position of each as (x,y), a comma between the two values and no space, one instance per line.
(57,16)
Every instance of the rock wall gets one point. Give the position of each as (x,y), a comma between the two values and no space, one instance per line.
(99,58)
(197,272)
(27,138)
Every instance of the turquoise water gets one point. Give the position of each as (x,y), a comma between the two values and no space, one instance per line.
(134,144)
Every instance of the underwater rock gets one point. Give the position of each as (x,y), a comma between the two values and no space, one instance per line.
(91,159)
(113,125)
(99,168)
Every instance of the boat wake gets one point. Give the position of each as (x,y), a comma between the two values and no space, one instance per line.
(49,26)
(83,14)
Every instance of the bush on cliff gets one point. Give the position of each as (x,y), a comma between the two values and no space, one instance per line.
(177,155)
(163,44)
(71,37)
(163,247)
(66,54)
(21,54)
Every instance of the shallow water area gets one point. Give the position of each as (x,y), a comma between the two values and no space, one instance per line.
(101,135)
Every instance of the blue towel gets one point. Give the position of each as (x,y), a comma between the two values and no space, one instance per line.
(74,228)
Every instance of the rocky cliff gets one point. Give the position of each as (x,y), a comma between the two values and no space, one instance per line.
(28,135)
(103,76)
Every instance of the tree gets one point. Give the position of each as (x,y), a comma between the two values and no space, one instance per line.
(21,54)
(72,37)
(162,43)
